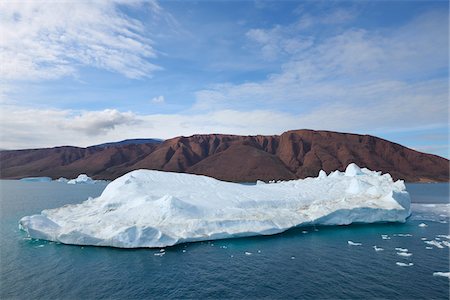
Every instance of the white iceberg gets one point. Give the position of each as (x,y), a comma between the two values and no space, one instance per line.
(82,179)
(147,208)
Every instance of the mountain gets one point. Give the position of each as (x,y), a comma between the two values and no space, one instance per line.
(131,142)
(293,154)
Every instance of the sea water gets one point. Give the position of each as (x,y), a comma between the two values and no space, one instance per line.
(307,263)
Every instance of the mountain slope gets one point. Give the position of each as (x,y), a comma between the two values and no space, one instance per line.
(293,154)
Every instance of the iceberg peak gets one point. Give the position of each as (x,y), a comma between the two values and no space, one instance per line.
(353,170)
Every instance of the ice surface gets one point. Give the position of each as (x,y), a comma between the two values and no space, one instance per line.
(147,208)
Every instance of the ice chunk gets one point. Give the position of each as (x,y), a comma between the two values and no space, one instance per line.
(248,253)
(401,249)
(403,234)
(404,264)
(385,237)
(423,225)
(62,179)
(434,243)
(444,236)
(443,274)
(377,248)
(353,243)
(429,248)
(144,209)
(405,254)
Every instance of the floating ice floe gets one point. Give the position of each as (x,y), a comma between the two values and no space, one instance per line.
(353,243)
(404,254)
(146,208)
(429,248)
(385,237)
(401,249)
(434,243)
(377,248)
(444,236)
(404,264)
(443,274)
(62,179)
(423,225)
(403,234)
(247,253)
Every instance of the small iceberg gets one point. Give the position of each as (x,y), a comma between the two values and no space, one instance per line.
(82,179)
(147,208)
(378,248)
(385,237)
(36,179)
(423,225)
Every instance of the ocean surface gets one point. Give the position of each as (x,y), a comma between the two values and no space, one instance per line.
(307,263)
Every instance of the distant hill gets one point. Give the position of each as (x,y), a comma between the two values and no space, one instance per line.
(130,142)
(293,154)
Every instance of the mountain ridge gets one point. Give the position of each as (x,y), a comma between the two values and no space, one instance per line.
(293,154)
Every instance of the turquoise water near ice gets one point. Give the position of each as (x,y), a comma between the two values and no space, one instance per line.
(307,263)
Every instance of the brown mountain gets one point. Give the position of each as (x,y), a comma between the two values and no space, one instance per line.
(294,154)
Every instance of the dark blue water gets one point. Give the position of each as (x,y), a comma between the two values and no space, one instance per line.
(317,264)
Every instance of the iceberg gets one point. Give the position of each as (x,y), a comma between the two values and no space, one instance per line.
(36,179)
(146,208)
(81,179)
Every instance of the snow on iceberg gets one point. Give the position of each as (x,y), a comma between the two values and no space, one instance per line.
(147,208)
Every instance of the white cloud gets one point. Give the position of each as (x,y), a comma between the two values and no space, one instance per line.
(354,70)
(158,100)
(48,40)
(98,122)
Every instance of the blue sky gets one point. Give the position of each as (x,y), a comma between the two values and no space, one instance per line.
(81,73)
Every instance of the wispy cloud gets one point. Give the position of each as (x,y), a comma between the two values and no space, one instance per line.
(359,78)
(48,40)
(158,100)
